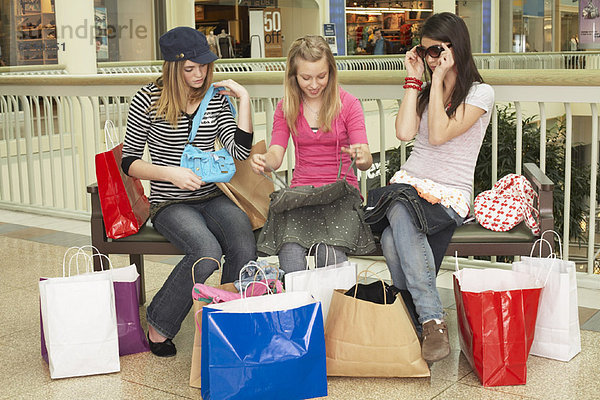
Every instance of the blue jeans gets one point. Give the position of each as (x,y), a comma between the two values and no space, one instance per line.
(208,229)
(410,260)
(292,256)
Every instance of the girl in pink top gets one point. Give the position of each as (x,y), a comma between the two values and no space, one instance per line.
(326,124)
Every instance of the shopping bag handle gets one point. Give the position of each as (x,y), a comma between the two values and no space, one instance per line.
(365,272)
(541,241)
(369,268)
(551,256)
(196,320)
(243,291)
(81,252)
(76,257)
(559,241)
(110,134)
(96,253)
(259,269)
(205,258)
(456,267)
(315,257)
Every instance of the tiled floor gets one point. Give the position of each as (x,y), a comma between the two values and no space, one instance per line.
(33,246)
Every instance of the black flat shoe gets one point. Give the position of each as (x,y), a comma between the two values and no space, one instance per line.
(162,349)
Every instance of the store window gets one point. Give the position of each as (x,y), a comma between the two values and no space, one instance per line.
(123,30)
(384,27)
(27,32)
(527,26)
(255,28)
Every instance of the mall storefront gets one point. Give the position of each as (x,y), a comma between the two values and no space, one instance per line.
(41,32)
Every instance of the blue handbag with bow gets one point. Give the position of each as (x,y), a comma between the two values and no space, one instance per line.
(211,166)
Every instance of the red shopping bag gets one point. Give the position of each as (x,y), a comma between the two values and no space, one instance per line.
(496,311)
(125,208)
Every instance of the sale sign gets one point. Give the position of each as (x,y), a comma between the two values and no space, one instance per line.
(272,25)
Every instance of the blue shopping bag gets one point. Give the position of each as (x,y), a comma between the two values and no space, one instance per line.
(267,347)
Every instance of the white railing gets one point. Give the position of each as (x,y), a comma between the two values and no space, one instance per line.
(564,60)
(56,69)
(51,128)
(259,65)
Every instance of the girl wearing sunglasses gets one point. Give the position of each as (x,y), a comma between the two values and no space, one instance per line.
(447,116)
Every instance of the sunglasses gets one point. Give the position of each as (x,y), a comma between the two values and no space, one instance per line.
(432,51)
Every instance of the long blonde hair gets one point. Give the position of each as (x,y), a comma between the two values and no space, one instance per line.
(310,48)
(175,93)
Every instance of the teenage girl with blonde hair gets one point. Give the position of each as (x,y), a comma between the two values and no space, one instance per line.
(327,126)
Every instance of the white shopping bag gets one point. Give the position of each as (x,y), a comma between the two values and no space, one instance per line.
(79,323)
(557,334)
(321,282)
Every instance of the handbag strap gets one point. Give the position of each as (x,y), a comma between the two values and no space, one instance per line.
(284,184)
(202,109)
(277,177)
(348,170)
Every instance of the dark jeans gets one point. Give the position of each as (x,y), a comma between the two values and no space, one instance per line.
(212,228)
(415,236)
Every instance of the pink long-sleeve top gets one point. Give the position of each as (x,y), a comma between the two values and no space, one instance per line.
(318,154)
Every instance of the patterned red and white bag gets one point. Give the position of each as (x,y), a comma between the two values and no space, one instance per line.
(510,201)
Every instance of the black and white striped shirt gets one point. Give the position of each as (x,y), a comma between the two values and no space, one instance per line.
(166,143)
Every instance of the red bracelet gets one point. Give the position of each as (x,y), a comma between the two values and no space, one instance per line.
(416,81)
(410,86)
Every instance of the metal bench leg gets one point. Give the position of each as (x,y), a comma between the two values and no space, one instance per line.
(98,260)
(138,260)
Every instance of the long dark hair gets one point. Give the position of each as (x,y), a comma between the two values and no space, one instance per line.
(448,27)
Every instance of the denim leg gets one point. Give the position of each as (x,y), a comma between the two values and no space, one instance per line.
(185,227)
(398,279)
(392,259)
(193,229)
(333,256)
(292,256)
(232,228)
(416,261)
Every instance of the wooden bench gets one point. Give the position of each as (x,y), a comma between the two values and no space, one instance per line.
(468,240)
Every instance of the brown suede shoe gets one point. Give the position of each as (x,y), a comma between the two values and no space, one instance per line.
(436,345)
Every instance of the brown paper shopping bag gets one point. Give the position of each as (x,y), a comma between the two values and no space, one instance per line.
(198,305)
(363,338)
(196,351)
(250,191)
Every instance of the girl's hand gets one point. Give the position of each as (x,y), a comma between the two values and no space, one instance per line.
(258,163)
(185,178)
(445,63)
(360,152)
(232,88)
(415,67)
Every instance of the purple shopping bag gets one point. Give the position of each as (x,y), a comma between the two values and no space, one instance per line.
(126,282)
(131,335)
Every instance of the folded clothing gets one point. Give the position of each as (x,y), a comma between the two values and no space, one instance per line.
(374,292)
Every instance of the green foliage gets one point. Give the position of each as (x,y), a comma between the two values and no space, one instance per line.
(555,165)
(394,160)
